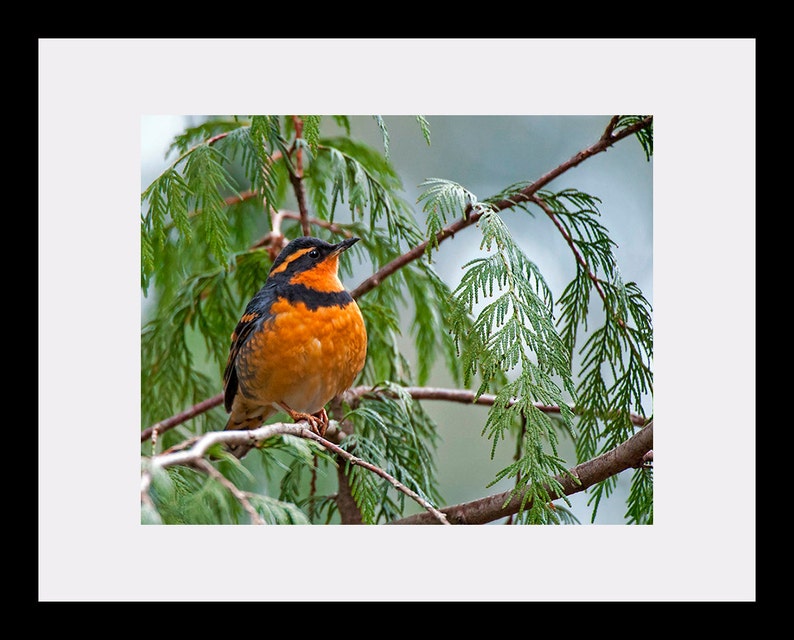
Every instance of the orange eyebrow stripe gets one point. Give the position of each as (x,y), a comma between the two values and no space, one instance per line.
(289,260)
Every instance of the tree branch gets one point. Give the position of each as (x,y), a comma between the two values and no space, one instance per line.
(296,178)
(627,455)
(169,423)
(194,456)
(208,142)
(570,242)
(353,395)
(349,511)
(471,217)
(613,122)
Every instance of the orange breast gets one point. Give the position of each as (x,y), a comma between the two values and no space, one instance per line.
(304,357)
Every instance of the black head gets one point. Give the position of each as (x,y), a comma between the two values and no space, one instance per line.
(306,252)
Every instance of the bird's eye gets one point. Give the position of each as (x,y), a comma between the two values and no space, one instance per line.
(314,253)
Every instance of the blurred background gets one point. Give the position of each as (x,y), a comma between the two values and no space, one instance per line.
(485,154)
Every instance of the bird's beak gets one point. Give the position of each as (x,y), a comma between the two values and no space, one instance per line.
(343,246)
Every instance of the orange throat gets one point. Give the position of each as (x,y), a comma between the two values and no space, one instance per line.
(322,277)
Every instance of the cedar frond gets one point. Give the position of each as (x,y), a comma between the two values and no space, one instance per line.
(443,199)
(311,130)
(393,432)
(645,135)
(515,336)
(615,368)
(424,125)
(385,133)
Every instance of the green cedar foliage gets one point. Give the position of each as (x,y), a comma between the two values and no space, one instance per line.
(500,331)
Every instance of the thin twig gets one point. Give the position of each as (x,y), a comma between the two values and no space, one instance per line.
(179,418)
(316,222)
(209,141)
(583,263)
(242,496)
(244,196)
(354,460)
(352,395)
(570,241)
(193,456)
(333,227)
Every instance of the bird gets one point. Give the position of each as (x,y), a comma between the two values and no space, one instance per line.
(300,342)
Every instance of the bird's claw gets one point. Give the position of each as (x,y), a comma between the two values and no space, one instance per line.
(318,422)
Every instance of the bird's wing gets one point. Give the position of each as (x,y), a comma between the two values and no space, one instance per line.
(257,311)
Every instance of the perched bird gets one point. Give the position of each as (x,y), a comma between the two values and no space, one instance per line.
(300,342)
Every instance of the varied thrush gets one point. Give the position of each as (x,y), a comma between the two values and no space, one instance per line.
(300,342)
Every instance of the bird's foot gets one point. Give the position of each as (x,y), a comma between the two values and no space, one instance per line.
(318,422)
(322,417)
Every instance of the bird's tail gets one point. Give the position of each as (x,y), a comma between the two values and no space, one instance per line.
(238,422)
